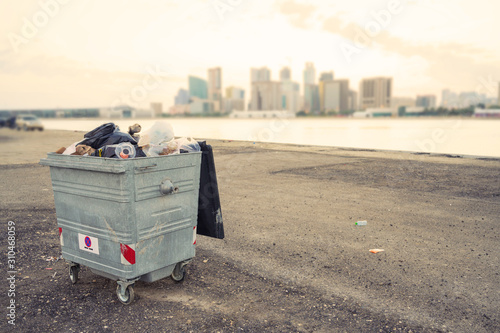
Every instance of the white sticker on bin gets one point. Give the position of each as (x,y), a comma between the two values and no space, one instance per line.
(88,243)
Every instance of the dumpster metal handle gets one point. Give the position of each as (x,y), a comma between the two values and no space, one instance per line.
(146,167)
(167,187)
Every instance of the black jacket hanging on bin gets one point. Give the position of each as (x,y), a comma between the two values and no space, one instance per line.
(209,210)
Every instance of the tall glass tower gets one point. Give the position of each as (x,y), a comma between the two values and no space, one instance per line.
(198,87)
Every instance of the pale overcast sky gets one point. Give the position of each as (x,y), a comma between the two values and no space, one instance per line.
(90,53)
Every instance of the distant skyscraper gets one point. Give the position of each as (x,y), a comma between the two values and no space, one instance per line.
(343,88)
(426,101)
(327,94)
(311,98)
(290,96)
(309,74)
(353,100)
(235,99)
(285,74)
(198,87)
(182,97)
(375,92)
(326,76)
(215,87)
(311,89)
(266,95)
(260,74)
(334,95)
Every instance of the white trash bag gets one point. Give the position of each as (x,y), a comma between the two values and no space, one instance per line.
(173,147)
(160,132)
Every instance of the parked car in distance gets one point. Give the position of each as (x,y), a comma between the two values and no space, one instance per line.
(6,119)
(28,123)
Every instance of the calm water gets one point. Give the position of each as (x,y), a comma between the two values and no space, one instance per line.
(477,137)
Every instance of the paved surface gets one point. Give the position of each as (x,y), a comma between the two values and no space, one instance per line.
(293,259)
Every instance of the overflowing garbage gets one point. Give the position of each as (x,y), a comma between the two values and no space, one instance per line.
(108,141)
(178,195)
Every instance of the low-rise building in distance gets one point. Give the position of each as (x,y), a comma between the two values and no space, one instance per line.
(426,101)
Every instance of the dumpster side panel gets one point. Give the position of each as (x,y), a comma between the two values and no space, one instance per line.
(95,206)
(165,222)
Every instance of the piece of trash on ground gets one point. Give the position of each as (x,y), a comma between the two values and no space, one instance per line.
(55,259)
(361,223)
(376,250)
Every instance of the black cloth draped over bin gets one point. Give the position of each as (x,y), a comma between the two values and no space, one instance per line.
(209,210)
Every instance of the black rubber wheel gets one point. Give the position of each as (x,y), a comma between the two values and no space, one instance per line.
(73,274)
(179,273)
(128,297)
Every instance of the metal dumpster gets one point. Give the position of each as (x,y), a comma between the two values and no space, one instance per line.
(127,220)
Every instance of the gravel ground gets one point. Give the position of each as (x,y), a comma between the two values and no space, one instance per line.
(293,259)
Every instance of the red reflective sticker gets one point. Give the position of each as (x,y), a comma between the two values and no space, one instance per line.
(128,253)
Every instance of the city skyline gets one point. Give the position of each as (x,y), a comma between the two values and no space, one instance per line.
(323,93)
(77,54)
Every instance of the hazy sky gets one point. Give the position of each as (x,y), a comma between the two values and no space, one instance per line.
(89,53)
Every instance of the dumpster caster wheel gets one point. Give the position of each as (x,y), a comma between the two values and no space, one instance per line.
(73,274)
(179,273)
(128,297)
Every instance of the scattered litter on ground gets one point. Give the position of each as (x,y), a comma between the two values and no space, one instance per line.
(376,250)
(361,223)
(54,259)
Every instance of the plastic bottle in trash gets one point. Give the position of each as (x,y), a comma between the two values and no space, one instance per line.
(125,150)
(361,223)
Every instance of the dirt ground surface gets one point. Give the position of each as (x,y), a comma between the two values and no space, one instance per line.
(293,259)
